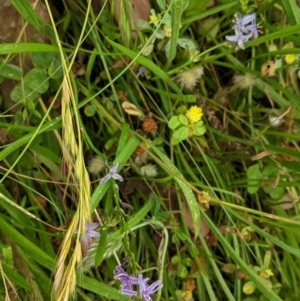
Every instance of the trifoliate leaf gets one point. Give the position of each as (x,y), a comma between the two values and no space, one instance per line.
(37,80)
(42,59)
(23,94)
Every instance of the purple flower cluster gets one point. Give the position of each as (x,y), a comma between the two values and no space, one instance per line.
(143,289)
(245,28)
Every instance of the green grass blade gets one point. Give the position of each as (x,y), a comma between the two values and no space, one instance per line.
(292,11)
(100,288)
(54,124)
(11,48)
(186,189)
(141,60)
(31,249)
(266,291)
(28,13)
(176,11)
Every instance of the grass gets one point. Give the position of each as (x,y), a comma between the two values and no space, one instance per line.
(207,141)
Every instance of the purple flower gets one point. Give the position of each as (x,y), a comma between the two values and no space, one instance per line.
(127,281)
(142,71)
(246,24)
(112,173)
(130,284)
(245,28)
(89,234)
(145,290)
(238,39)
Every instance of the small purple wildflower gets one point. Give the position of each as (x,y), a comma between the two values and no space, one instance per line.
(128,284)
(90,233)
(245,28)
(112,173)
(127,281)
(145,290)
(142,71)
(239,39)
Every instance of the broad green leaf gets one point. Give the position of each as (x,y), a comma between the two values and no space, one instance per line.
(161,4)
(42,59)
(254,177)
(11,71)
(174,140)
(183,120)
(275,193)
(23,94)
(37,80)
(173,122)
(181,133)
(199,129)
(187,44)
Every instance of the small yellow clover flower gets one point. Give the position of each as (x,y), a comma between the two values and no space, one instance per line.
(194,114)
(290,58)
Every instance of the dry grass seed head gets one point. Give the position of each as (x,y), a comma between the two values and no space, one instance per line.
(188,78)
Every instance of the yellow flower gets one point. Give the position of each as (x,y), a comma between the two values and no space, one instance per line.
(290,58)
(266,273)
(153,19)
(194,114)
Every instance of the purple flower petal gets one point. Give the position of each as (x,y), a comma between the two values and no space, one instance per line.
(145,290)
(141,72)
(245,28)
(127,281)
(129,292)
(117,177)
(112,174)
(90,233)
